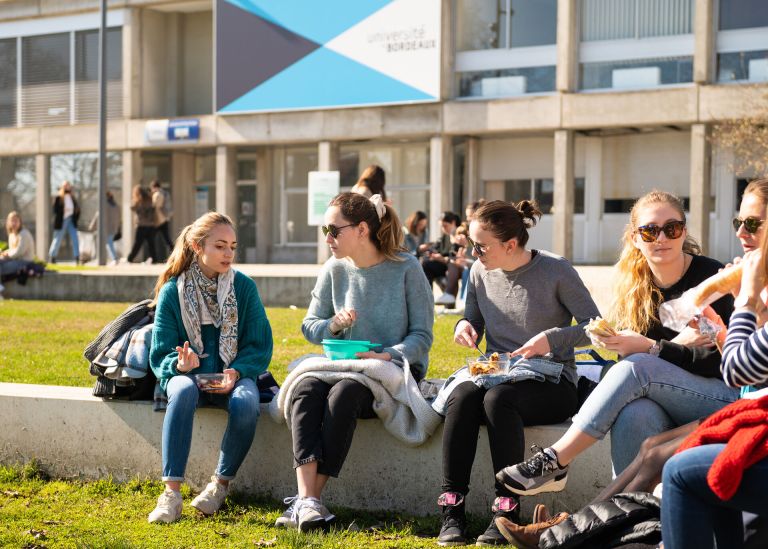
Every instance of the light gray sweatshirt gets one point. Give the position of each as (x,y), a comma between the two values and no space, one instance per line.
(393,302)
(542,296)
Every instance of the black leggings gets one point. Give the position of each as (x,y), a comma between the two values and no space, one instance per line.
(323,421)
(143,234)
(505,409)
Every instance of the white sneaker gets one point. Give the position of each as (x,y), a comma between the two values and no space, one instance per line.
(210,499)
(288,518)
(168,507)
(446,299)
(311,514)
(148,261)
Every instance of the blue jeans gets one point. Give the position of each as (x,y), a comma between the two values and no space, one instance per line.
(111,247)
(644,395)
(693,516)
(67,226)
(183,399)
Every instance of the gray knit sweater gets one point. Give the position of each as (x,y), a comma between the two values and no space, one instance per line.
(393,302)
(541,296)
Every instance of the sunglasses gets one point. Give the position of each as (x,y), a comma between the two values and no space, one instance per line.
(333,230)
(751,224)
(671,229)
(480,249)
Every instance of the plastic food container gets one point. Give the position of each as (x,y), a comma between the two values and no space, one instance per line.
(481,366)
(345,349)
(210,382)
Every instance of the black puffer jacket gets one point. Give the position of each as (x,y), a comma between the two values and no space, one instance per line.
(632,517)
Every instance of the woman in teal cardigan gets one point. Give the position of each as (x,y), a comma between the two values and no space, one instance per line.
(209,319)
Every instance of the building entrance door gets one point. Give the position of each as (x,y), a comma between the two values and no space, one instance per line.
(247,228)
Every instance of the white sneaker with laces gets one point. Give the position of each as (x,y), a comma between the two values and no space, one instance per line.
(287,519)
(311,514)
(168,507)
(210,499)
(446,299)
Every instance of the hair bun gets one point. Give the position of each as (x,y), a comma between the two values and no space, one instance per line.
(529,209)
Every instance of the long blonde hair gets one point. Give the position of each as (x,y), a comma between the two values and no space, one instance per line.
(635,295)
(184,252)
(8,227)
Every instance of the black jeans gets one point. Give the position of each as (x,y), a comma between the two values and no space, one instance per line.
(504,409)
(323,421)
(143,234)
(434,270)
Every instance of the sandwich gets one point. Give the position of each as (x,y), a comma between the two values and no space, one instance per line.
(599,327)
(722,282)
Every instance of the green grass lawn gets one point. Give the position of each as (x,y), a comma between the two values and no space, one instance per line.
(43,341)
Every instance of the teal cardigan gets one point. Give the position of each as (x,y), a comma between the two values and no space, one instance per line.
(254,334)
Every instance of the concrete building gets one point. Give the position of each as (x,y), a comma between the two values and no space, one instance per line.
(582,104)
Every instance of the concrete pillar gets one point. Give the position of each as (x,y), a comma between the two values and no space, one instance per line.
(440,181)
(183,188)
(562,233)
(472,185)
(132,173)
(226,180)
(447,55)
(699,190)
(593,199)
(267,216)
(567,45)
(43,203)
(132,63)
(704,41)
(327,160)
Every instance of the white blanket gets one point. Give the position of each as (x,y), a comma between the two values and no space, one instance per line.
(397,400)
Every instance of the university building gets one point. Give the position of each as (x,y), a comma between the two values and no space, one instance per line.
(581,104)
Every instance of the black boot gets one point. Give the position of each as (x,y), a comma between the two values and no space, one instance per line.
(454,528)
(502,507)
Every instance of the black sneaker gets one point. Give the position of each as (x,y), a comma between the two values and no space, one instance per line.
(454,528)
(502,507)
(540,473)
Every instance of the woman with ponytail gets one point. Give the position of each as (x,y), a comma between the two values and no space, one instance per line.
(523,301)
(665,379)
(371,289)
(208,319)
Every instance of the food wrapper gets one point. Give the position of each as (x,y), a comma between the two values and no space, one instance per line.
(677,313)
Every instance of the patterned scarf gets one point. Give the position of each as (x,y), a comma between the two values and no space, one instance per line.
(218,297)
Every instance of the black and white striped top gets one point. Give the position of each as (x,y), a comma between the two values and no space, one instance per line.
(745,353)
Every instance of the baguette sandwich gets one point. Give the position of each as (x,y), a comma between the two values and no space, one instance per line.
(722,282)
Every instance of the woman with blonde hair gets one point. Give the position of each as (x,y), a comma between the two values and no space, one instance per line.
(371,289)
(665,379)
(209,319)
(21,243)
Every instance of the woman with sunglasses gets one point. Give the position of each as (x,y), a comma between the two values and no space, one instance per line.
(665,379)
(371,289)
(523,301)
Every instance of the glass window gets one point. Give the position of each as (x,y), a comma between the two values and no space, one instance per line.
(492,24)
(543,192)
(87,74)
(298,163)
(8,82)
(742,14)
(205,167)
(669,70)
(156,166)
(45,79)
(632,19)
(296,226)
(751,66)
(246,169)
(18,187)
(349,168)
(506,82)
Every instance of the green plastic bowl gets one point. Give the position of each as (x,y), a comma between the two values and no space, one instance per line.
(345,349)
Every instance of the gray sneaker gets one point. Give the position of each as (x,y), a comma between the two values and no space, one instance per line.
(540,473)
(288,518)
(311,514)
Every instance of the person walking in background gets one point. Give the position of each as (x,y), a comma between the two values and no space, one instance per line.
(144,218)
(112,225)
(66,213)
(416,233)
(371,182)
(209,319)
(161,200)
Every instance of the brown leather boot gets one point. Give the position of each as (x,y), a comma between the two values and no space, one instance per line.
(527,537)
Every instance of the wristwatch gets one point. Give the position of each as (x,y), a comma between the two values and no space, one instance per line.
(655,349)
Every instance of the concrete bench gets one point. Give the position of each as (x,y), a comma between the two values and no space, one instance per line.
(74,434)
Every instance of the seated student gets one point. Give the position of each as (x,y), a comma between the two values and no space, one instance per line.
(21,247)
(703,497)
(443,251)
(417,233)
(371,289)
(665,379)
(644,472)
(507,282)
(209,319)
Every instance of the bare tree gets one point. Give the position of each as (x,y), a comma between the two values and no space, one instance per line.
(746,138)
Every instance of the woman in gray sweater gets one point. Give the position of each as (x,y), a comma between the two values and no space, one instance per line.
(523,301)
(371,289)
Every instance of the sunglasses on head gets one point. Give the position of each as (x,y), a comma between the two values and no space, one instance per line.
(333,230)
(751,224)
(671,229)
(480,249)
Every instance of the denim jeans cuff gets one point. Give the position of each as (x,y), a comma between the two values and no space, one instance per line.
(173,479)
(223,477)
(588,429)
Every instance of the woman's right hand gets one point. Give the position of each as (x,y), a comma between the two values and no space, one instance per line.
(692,337)
(188,359)
(465,334)
(752,276)
(342,320)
